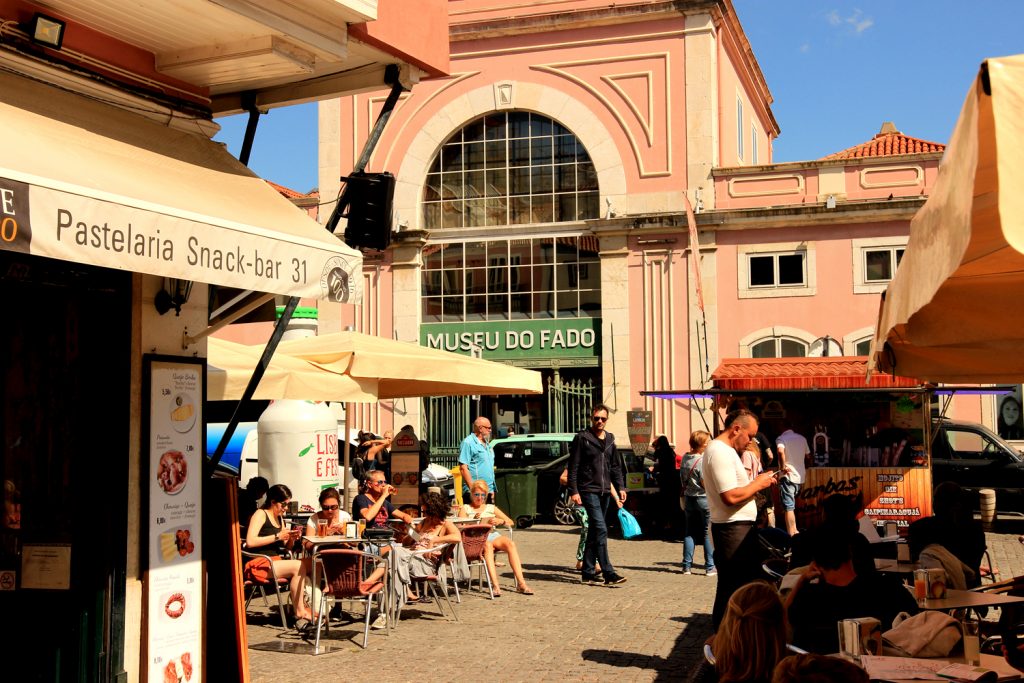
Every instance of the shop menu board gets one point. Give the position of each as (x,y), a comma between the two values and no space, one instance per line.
(899,494)
(174,582)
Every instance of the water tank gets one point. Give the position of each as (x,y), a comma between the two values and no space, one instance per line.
(298,440)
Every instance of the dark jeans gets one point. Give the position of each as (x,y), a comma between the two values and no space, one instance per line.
(738,560)
(698,530)
(596,549)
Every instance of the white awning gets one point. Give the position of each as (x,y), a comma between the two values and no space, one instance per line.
(82,180)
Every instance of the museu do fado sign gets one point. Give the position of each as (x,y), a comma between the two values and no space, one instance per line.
(568,342)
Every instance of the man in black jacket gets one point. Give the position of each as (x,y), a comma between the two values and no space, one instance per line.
(594,467)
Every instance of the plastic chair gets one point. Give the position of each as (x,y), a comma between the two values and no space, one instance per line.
(474,544)
(343,571)
(433,582)
(275,583)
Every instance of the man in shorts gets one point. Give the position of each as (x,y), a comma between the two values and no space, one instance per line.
(793,454)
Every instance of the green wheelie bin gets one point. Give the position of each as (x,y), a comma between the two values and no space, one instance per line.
(517,494)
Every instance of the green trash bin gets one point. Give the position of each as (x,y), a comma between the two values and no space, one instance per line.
(517,494)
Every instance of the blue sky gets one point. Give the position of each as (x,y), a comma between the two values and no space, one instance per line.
(836,70)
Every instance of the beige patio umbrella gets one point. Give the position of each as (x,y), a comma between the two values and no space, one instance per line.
(955,310)
(407,370)
(230,365)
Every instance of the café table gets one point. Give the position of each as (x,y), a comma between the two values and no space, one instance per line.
(922,667)
(891,566)
(958,599)
(320,542)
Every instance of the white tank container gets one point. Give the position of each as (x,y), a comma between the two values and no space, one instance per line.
(298,440)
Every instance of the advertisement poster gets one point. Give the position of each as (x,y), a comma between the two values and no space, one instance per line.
(640,428)
(174,582)
(899,494)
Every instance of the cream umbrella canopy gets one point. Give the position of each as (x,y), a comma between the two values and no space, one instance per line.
(407,370)
(955,310)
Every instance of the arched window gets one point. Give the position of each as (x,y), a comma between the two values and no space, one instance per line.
(510,168)
(778,347)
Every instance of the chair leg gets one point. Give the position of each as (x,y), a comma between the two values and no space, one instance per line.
(366,621)
(280,608)
(450,605)
(319,623)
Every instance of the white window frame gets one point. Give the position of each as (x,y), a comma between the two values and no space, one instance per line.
(859,250)
(739,127)
(753,145)
(777,332)
(743,255)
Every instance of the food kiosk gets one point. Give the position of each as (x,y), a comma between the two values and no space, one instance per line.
(869,438)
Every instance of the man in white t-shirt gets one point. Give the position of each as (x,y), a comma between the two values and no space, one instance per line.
(733,510)
(793,451)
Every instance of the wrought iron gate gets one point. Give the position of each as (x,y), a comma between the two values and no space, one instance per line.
(569,404)
(446,422)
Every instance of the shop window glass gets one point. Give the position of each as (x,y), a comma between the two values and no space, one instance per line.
(778,347)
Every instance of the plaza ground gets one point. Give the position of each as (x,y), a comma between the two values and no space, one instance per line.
(651,628)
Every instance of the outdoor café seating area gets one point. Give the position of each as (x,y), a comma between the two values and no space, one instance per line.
(360,586)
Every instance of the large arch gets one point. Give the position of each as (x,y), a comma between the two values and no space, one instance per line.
(525,96)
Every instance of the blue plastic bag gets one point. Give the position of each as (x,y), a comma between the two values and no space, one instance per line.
(630,527)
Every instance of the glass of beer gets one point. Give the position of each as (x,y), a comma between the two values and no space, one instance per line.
(321,527)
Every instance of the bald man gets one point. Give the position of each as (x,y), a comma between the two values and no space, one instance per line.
(476,457)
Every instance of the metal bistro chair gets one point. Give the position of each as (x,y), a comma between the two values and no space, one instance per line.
(433,582)
(251,585)
(343,572)
(474,544)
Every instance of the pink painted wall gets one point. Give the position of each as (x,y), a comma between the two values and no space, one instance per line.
(589,51)
(411,34)
(835,310)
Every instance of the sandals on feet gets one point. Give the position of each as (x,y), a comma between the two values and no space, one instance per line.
(525,590)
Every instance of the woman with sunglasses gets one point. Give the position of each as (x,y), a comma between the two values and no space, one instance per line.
(268,534)
(331,512)
(488,513)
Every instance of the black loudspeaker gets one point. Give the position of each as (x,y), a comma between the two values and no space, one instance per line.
(369,198)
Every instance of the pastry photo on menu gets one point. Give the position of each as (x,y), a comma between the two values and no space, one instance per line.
(183,413)
(178,669)
(176,544)
(172,472)
(175,603)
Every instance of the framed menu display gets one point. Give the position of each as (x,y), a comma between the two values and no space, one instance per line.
(174,390)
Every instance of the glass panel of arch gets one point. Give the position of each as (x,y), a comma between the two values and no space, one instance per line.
(791,348)
(529,168)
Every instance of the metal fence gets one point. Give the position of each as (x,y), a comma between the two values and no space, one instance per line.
(446,422)
(569,404)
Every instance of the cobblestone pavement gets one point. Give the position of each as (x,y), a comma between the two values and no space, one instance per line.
(648,629)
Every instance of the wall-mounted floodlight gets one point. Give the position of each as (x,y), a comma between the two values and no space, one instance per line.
(47,31)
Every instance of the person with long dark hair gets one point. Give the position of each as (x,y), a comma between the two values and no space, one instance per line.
(268,534)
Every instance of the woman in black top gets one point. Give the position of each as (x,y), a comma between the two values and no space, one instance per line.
(268,534)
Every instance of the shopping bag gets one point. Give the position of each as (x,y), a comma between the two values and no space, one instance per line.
(630,527)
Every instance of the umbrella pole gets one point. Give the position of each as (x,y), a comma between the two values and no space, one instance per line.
(346,472)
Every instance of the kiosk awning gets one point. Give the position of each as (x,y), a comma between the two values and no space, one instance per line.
(775,374)
(85,181)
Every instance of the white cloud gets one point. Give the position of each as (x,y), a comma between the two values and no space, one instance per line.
(806,47)
(856,21)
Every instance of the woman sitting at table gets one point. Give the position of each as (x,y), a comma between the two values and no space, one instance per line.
(490,514)
(433,530)
(268,534)
(330,512)
(751,639)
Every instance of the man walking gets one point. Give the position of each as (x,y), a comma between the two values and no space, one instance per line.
(594,467)
(733,510)
(476,457)
(794,452)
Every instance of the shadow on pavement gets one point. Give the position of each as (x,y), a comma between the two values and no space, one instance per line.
(682,663)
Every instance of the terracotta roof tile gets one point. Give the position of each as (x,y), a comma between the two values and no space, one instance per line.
(287,192)
(837,372)
(888,143)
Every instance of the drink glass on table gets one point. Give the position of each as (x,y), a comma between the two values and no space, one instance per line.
(321,527)
(972,641)
(921,585)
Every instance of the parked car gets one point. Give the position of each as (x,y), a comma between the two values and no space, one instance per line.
(549,454)
(977,458)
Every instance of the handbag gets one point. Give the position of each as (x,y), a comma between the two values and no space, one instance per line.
(630,527)
(257,569)
(926,634)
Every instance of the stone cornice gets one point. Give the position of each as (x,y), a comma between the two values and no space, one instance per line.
(790,166)
(560,21)
(873,211)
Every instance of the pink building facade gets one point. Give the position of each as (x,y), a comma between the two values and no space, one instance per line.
(541,198)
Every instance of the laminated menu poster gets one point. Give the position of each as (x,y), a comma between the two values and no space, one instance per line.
(174,586)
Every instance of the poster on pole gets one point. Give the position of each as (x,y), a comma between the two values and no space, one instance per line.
(173,452)
(640,428)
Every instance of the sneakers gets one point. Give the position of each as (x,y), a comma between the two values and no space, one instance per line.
(380,622)
(614,580)
(687,571)
(712,572)
(591,581)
